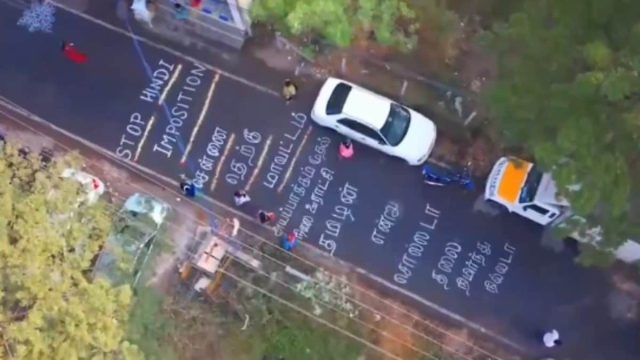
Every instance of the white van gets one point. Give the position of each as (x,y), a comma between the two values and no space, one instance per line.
(521,188)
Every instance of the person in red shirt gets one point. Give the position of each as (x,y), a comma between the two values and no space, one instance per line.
(69,50)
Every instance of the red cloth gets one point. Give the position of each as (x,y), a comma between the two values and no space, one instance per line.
(74,55)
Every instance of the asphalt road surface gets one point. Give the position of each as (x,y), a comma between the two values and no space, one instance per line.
(174,116)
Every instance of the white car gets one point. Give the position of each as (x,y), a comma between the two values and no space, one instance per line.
(93,186)
(374,120)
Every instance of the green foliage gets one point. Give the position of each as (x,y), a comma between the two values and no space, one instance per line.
(303,340)
(338,21)
(327,289)
(49,309)
(149,327)
(592,256)
(567,90)
(276,330)
(293,335)
(435,16)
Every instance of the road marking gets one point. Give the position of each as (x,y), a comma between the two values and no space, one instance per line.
(295,159)
(227,148)
(471,117)
(167,49)
(16,4)
(404,88)
(260,161)
(204,111)
(144,136)
(174,76)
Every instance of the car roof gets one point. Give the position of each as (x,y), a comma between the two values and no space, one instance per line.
(367,107)
(145,204)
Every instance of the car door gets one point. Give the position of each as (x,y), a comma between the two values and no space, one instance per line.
(539,214)
(361,133)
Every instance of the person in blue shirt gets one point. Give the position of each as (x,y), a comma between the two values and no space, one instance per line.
(187,187)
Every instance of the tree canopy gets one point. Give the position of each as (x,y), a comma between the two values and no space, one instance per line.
(339,21)
(568,91)
(49,306)
(150,329)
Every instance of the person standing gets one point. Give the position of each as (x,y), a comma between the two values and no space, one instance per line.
(187,187)
(551,338)
(70,52)
(266,217)
(241,197)
(289,90)
(289,242)
(346,149)
(182,12)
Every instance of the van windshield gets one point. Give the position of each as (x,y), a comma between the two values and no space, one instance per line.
(530,187)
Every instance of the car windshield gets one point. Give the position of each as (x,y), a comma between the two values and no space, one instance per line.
(338,98)
(397,124)
(531,185)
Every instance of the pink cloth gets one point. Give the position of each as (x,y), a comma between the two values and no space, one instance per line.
(346,151)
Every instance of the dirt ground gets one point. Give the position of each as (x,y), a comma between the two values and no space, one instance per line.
(407,335)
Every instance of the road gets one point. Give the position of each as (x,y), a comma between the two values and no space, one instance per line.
(175,116)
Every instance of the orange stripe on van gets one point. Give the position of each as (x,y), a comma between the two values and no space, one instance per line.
(513,180)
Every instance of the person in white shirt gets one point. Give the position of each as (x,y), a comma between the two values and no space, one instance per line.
(241,197)
(551,339)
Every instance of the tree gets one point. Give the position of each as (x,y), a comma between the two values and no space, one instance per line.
(300,338)
(338,21)
(49,307)
(568,91)
(149,326)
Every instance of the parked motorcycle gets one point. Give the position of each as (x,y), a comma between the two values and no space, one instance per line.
(440,176)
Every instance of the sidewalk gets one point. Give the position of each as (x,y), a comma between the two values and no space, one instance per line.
(122,181)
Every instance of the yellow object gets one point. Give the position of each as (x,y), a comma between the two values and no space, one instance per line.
(185,271)
(289,91)
(513,180)
(215,284)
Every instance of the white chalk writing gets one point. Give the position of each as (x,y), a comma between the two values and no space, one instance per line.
(179,112)
(416,247)
(446,263)
(320,151)
(134,128)
(316,200)
(341,214)
(158,79)
(385,222)
(239,168)
(500,270)
(302,187)
(299,190)
(207,160)
(317,196)
(281,158)
(475,260)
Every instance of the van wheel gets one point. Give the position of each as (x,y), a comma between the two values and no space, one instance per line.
(497,207)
